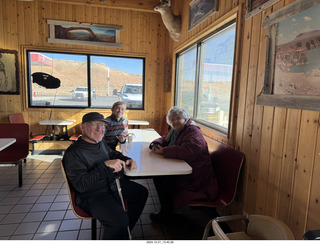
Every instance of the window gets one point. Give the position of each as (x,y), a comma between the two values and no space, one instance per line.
(204,78)
(84,80)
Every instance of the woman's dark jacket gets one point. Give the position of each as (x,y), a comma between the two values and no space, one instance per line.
(191,146)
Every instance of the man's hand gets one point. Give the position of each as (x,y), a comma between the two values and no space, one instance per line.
(121,138)
(116,164)
(131,164)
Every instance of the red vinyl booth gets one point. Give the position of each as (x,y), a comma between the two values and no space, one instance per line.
(18,151)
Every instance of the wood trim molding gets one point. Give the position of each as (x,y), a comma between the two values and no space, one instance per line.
(138,5)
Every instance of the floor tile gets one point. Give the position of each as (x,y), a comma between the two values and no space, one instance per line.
(62,198)
(137,232)
(8,229)
(13,218)
(59,206)
(5,209)
(50,192)
(84,235)
(71,215)
(145,219)
(10,201)
(17,193)
(40,209)
(34,193)
(26,200)
(70,224)
(149,209)
(39,186)
(55,215)
(21,208)
(49,226)
(152,230)
(44,199)
(45,236)
(34,216)
(67,235)
(86,224)
(27,228)
(22,237)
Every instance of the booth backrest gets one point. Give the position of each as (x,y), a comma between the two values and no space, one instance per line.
(18,150)
(227,163)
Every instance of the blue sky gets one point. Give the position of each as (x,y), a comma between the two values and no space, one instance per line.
(130,65)
(305,21)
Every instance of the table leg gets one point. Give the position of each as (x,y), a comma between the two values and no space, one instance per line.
(53,133)
(66,137)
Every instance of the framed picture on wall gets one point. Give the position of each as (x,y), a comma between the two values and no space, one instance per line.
(84,33)
(199,10)
(9,72)
(292,70)
(256,6)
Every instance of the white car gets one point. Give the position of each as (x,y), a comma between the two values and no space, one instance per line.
(81,93)
(131,94)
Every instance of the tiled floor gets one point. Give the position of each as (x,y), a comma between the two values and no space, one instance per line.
(40,209)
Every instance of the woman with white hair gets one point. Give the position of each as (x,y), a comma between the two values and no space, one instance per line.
(185,141)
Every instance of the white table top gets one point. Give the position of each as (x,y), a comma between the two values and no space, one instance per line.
(5,142)
(56,122)
(138,122)
(150,163)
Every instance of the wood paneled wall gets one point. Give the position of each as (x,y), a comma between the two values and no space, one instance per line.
(280,177)
(23,24)
(281,172)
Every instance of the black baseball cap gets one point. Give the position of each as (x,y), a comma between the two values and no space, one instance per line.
(93,116)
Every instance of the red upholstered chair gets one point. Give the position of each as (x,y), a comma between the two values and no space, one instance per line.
(79,212)
(18,151)
(227,163)
(18,119)
(74,137)
(164,126)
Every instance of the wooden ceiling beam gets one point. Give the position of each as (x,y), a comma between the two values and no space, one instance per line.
(136,5)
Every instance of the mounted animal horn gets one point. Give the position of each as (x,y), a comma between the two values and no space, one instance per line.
(172,22)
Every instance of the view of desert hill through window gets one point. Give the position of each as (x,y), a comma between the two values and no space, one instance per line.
(73,74)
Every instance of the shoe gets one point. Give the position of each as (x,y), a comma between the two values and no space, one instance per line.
(156,217)
(159,217)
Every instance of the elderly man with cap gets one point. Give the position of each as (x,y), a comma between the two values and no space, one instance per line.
(91,167)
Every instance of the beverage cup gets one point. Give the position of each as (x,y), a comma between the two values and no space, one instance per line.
(130,137)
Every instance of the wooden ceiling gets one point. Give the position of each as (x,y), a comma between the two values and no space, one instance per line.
(137,5)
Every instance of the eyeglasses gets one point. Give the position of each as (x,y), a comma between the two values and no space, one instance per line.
(97,125)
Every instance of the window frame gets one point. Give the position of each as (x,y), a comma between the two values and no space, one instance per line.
(219,27)
(28,83)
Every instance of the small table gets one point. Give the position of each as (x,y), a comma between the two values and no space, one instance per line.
(6,142)
(150,163)
(137,122)
(54,123)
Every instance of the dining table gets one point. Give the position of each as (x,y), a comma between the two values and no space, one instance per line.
(57,123)
(133,123)
(148,162)
(6,142)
